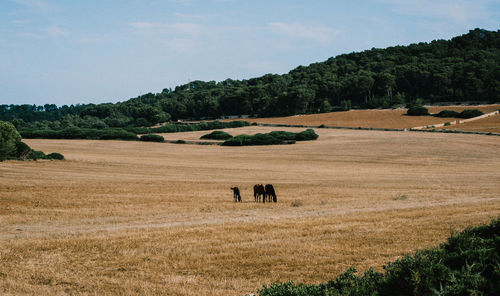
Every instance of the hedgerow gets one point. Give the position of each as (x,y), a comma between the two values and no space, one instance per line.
(152,138)
(464,114)
(80,133)
(178,128)
(272,138)
(417,111)
(217,135)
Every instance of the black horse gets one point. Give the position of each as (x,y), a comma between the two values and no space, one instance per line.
(236,194)
(258,191)
(269,192)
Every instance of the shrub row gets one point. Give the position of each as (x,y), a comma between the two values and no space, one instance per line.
(272,138)
(417,111)
(11,146)
(177,128)
(463,114)
(23,152)
(467,264)
(217,135)
(80,133)
(152,138)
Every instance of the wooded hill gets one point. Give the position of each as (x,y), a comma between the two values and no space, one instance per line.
(465,68)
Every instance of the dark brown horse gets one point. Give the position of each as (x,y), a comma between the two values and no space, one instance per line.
(236,194)
(258,191)
(270,193)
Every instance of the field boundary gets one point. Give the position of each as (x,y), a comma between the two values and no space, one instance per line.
(383,129)
(458,121)
(180,142)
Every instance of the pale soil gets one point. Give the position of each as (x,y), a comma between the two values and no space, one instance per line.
(123,217)
(372,118)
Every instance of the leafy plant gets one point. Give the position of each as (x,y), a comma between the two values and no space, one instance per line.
(217,135)
(55,155)
(470,113)
(417,111)
(152,138)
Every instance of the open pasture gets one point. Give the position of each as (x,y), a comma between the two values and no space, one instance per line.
(489,124)
(129,218)
(383,118)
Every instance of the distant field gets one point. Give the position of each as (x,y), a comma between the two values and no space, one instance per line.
(122,217)
(489,124)
(372,118)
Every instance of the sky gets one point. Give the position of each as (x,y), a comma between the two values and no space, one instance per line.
(67,52)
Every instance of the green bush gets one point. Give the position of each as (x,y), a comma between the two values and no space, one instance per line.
(467,264)
(23,150)
(36,154)
(272,138)
(448,113)
(464,114)
(217,135)
(55,155)
(306,135)
(417,111)
(470,113)
(9,139)
(152,138)
(282,135)
(265,139)
(240,140)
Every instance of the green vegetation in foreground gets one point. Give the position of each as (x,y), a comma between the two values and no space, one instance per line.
(272,138)
(467,264)
(11,146)
(455,70)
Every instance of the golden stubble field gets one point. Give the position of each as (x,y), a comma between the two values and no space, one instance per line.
(158,219)
(384,118)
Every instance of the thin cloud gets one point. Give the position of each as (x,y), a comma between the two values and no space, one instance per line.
(321,34)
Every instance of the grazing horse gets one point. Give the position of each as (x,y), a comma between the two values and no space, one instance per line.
(270,193)
(258,191)
(236,194)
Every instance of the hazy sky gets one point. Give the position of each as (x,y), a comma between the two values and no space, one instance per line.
(95,51)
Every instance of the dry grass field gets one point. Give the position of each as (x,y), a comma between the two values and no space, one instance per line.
(489,124)
(136,218)
(373,118)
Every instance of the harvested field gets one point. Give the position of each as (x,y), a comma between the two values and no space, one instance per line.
(490,124)
(372,118)
(142,218)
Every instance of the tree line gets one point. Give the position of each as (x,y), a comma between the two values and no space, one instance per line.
(465,68)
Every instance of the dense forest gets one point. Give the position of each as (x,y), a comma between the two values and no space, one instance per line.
(465,68)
